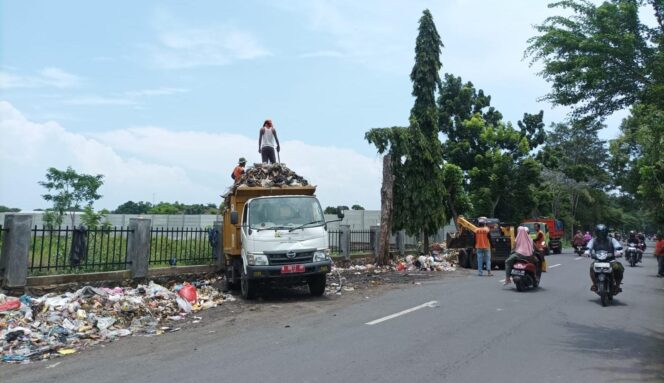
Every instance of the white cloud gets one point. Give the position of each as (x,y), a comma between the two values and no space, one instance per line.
(191,167)
(181,46)
(47,77)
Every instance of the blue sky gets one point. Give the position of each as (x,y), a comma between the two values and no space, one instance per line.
(163,97)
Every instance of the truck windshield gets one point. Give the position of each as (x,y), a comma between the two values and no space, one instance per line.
(285,213)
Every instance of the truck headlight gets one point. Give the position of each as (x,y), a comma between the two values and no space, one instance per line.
(321,255)
(257,259)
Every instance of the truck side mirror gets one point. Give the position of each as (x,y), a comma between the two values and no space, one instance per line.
(340,213)
(234,218)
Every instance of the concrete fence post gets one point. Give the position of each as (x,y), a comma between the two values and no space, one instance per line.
(374,237)
(15,250)
(344,240)
(138,247)
(401,242)
(218,250)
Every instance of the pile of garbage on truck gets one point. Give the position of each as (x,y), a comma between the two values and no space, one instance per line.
(38,328)
(271,175)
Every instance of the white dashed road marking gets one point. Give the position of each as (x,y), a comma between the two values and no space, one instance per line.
(404,312)
(552,266)
(577,258)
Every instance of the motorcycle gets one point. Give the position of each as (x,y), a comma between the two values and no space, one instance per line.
(633,254)
(603,268)
(580,250)
(525,275)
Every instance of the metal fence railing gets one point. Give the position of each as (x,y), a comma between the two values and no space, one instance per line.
(179,246)
(360,240)
(334,241)
(58,250)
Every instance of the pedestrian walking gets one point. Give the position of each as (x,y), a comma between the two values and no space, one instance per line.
(659,254)
(268,142)
(483,247)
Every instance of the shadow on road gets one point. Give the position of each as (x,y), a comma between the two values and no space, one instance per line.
(616,344)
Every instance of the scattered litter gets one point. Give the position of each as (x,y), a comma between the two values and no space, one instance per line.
(39,328)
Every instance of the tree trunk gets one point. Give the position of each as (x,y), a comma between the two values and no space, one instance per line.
(386,197)
(493,207)
(455,215)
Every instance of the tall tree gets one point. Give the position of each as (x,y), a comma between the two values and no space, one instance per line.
(493,157)
(69,190)
(638,160)
(602,58)
(415,152)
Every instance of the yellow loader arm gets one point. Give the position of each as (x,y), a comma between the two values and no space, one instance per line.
(464,223)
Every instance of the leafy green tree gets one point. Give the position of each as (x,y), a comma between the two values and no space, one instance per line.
(602,58)
(93,220)
(68,190)
(356,207)
(166,208)
(131,207)
(52,218)
(638,161)
(575,176)
(494,158)
(415,153)
(5,209)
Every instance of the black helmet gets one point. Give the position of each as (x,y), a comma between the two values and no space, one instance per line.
(632,234)
(601,231)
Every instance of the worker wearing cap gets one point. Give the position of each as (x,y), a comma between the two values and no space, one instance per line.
(483,247)
(267,142)
(239,169)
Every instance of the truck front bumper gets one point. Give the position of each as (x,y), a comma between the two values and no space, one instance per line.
(268,272)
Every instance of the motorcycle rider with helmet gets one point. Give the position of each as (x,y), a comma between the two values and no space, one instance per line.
(600,242)
(635,241)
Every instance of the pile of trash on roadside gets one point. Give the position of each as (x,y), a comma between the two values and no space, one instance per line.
(37,328)
(345,279)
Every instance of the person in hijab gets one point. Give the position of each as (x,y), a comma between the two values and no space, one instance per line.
(523,249)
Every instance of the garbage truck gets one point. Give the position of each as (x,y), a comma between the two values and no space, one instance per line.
(275,235)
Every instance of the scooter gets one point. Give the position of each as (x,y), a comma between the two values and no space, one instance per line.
(633,254)
(525,275)
(603,268)
(580,250)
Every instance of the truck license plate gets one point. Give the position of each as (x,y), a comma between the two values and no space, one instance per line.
(287,269)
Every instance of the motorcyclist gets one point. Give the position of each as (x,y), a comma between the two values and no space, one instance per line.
(634,240)
(523,250)
(600,242)
(587,237)
(578,241)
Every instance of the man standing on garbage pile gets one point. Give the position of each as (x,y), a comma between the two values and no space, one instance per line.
(483,247)
(239,169)
(267,142)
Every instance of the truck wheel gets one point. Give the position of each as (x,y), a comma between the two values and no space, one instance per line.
(248,288)
(317,284)
(558,250)
(463,259)
(472,260)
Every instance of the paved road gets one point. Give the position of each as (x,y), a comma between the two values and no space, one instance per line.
(464,329)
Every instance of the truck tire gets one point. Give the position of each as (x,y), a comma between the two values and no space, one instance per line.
(248,287)
(558,250)
(317,284)
(472,260)
(463,259)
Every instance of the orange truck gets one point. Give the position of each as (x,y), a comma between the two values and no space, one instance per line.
(554,231)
